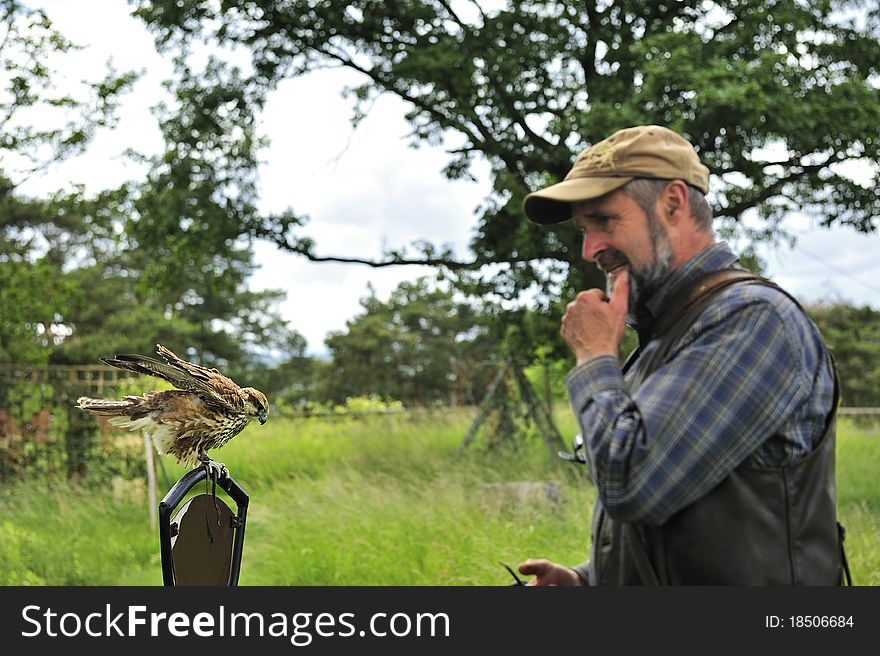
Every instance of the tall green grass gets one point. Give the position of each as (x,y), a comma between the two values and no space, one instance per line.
(377,501)
(858,499)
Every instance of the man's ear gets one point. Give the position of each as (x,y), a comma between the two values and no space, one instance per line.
(676,200)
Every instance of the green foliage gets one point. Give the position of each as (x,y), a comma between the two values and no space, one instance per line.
(15,550)
(353,407)
(774,95)
(29,41)
(166,259)
(34,298)
(547,376)
(423,347)
(48,435)
(853,334)
(366,404)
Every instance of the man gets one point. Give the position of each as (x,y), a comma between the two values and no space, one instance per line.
(713,448)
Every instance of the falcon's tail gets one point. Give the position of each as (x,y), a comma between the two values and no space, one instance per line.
(105,407)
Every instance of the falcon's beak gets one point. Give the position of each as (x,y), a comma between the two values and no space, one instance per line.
(262,419)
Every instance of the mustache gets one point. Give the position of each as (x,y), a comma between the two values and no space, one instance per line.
(611,259)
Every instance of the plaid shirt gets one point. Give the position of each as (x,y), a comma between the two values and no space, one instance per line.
(750,383)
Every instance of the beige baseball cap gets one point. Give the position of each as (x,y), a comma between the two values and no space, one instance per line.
(644,151)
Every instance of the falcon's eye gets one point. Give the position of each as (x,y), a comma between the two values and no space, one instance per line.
(257,403)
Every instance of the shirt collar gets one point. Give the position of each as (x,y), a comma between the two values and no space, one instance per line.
(716,257)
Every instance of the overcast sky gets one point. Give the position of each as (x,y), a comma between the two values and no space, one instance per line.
(364,190)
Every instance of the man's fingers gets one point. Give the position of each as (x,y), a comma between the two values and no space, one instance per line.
(593,323)
(533,566)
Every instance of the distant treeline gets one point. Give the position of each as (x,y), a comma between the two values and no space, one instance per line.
(425,347)
(422,348)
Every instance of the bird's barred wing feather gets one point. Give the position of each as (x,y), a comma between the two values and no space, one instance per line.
(224,387)
(210,384)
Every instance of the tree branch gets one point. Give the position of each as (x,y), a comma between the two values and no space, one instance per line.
(483,135)
(588,60)
(454,16)
(454,265)
(480,9)
(445,262)
(735,211)
(440,117)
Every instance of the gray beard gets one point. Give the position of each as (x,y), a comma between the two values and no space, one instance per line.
(646,279)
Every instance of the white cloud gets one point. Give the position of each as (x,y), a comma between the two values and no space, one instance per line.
(829,264)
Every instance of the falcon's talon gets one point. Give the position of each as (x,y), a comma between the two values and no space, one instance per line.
(216,471)
(222,472)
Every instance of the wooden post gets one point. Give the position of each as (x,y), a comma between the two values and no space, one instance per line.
(539,414)
(483,410)
(151,479)
(548,395)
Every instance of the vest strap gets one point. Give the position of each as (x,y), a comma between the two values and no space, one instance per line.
(669,329)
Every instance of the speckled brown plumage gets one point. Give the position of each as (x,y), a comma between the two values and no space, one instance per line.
(206,411)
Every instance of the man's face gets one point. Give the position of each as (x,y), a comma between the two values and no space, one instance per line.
(618,233)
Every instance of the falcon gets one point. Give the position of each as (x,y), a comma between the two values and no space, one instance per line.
(205,411)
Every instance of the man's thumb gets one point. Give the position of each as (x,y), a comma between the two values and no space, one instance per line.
(620,295)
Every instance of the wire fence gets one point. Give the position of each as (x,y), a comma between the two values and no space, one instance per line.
(42,432)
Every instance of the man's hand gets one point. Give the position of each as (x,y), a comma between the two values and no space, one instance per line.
(548,573)
(593,323)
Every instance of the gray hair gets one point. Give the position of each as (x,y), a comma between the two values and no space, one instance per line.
(646,191)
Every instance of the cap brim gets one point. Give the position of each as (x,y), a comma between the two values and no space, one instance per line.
(553,204)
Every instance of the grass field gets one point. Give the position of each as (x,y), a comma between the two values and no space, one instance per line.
(377,501)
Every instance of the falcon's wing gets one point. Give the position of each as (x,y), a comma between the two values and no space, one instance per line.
(210,384)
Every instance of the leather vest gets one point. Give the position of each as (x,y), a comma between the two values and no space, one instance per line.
(757,527)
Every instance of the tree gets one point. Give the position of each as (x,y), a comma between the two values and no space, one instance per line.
(853,334)
(165,259)
(34,299)
(776,96)
(36,234)
(191,224)
(176,263)
(28,42)
(422,346)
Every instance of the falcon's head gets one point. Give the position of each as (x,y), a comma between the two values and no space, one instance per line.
(256,405)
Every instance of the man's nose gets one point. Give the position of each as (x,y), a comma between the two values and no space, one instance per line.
(592,246)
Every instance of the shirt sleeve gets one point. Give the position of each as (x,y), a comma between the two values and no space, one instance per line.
(583,571)
(732,383)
